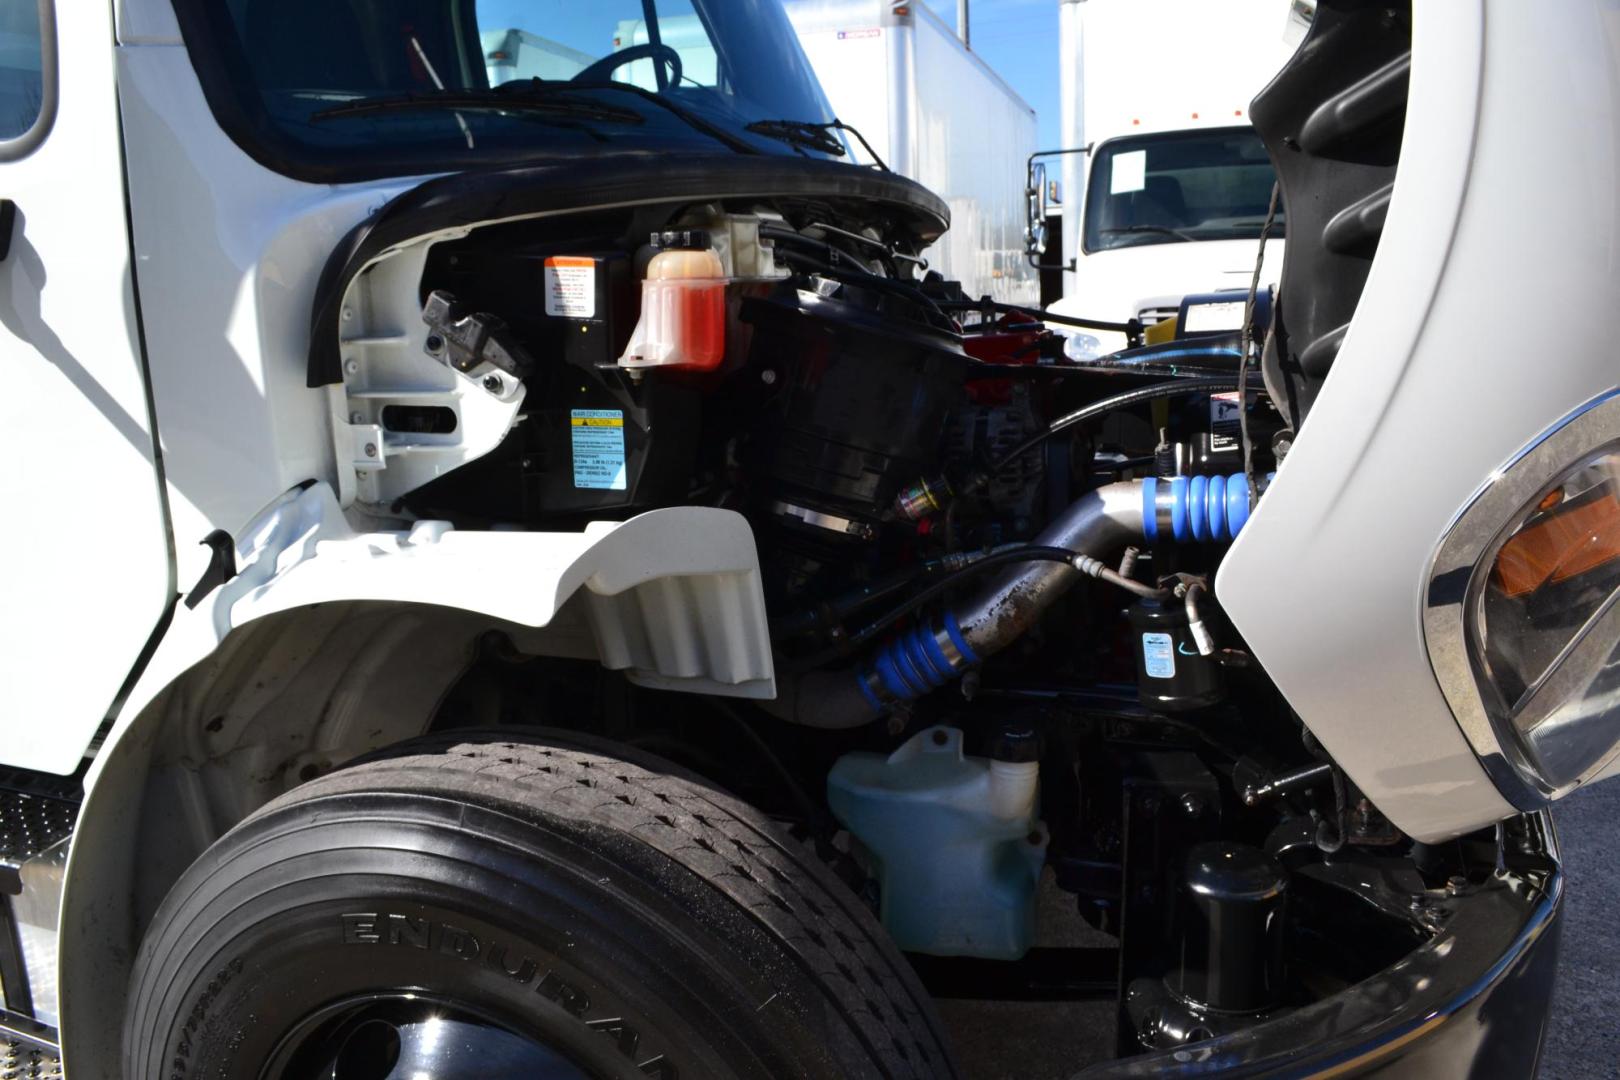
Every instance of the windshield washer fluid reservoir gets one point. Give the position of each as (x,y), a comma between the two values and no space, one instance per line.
(955,841)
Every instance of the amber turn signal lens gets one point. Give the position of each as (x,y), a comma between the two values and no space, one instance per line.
(1567,543)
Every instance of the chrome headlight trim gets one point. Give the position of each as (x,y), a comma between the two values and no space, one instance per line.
(1466,551)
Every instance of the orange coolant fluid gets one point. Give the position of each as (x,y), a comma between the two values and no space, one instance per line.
(683,307)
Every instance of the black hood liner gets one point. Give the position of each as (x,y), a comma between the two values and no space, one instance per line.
(473,198)
(1332,119)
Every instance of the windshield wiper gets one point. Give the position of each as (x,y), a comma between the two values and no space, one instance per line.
(1164,230)
(813,135)
(469,100)
(536,89)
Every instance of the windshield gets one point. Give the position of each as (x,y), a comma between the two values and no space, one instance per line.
(1176,187)
(381,87)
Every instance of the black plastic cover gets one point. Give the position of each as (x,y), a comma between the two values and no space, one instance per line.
(1332,120)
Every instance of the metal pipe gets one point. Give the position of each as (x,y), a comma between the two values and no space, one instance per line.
(1195,622)
(1283,783)
(995,615)
(1100,523)
(962,22)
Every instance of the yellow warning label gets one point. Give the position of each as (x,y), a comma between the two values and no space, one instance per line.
(598,440)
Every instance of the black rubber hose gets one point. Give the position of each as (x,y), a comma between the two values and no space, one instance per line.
(1132,327)
(1173,388)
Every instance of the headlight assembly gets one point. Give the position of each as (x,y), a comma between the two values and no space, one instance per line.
(1522,619)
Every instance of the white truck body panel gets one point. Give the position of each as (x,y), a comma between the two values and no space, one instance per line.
(518,54)
(92,574)
(940,115)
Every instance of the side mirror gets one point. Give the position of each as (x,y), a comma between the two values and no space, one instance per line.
(1035,196)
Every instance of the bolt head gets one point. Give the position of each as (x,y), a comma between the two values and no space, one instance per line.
(1192,805)
(434,343)
(351,366)
(493,384)
(356,418)
(768,377)
(371,449)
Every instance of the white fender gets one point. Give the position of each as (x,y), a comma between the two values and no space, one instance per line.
(672,598)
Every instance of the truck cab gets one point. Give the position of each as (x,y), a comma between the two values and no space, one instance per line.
(1173,186)
(524,573)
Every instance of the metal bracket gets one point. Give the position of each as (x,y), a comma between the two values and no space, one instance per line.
(477,344)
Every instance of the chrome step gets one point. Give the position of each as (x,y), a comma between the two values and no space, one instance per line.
(37,815)
(28,1049)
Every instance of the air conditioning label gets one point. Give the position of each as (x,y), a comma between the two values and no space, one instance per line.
(1159,656)
(598,442)
(571,287)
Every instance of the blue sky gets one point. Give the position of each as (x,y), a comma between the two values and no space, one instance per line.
(1019,39)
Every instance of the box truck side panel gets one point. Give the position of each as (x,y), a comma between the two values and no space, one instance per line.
(972,136)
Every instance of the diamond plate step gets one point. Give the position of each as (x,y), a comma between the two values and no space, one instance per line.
(28,1050)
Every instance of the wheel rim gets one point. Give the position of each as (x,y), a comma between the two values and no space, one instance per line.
(408,1035)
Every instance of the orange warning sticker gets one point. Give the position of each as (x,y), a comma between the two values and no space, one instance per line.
(571,287)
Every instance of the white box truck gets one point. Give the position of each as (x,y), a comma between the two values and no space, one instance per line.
(1165,182)
(939,115)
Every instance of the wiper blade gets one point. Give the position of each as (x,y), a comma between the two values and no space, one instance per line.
(814,135)
(1164,230)
(799,133)
(471,100)
(535,89)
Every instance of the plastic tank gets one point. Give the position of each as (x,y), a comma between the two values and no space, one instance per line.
(954,841)
(683,306)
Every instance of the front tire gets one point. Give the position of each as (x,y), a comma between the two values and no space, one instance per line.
(518,908)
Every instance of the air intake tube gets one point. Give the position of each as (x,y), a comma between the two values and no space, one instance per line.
(1005,606)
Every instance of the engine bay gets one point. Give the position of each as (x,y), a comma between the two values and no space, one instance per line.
(1001,670)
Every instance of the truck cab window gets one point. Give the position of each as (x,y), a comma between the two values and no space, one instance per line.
(524,40)
(1172,188)
(351,89)
(22,64)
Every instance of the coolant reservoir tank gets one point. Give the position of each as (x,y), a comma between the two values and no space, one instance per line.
(955,843)
(683,306)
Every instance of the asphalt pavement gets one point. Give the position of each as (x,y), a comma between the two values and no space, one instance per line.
(1583,1030)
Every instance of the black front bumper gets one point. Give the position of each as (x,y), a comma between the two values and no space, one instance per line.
(1471,1001)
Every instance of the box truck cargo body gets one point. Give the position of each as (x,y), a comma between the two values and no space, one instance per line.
(1174,191)
(938,114)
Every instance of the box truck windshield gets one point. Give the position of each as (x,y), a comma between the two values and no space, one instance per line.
(1177,187)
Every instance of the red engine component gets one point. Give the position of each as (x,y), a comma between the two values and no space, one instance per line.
(1004,341)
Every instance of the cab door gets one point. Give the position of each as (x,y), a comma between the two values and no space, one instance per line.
(84,555)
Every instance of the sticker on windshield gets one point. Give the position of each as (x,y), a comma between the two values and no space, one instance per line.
(571,287)
(1130,173)
(598,441)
